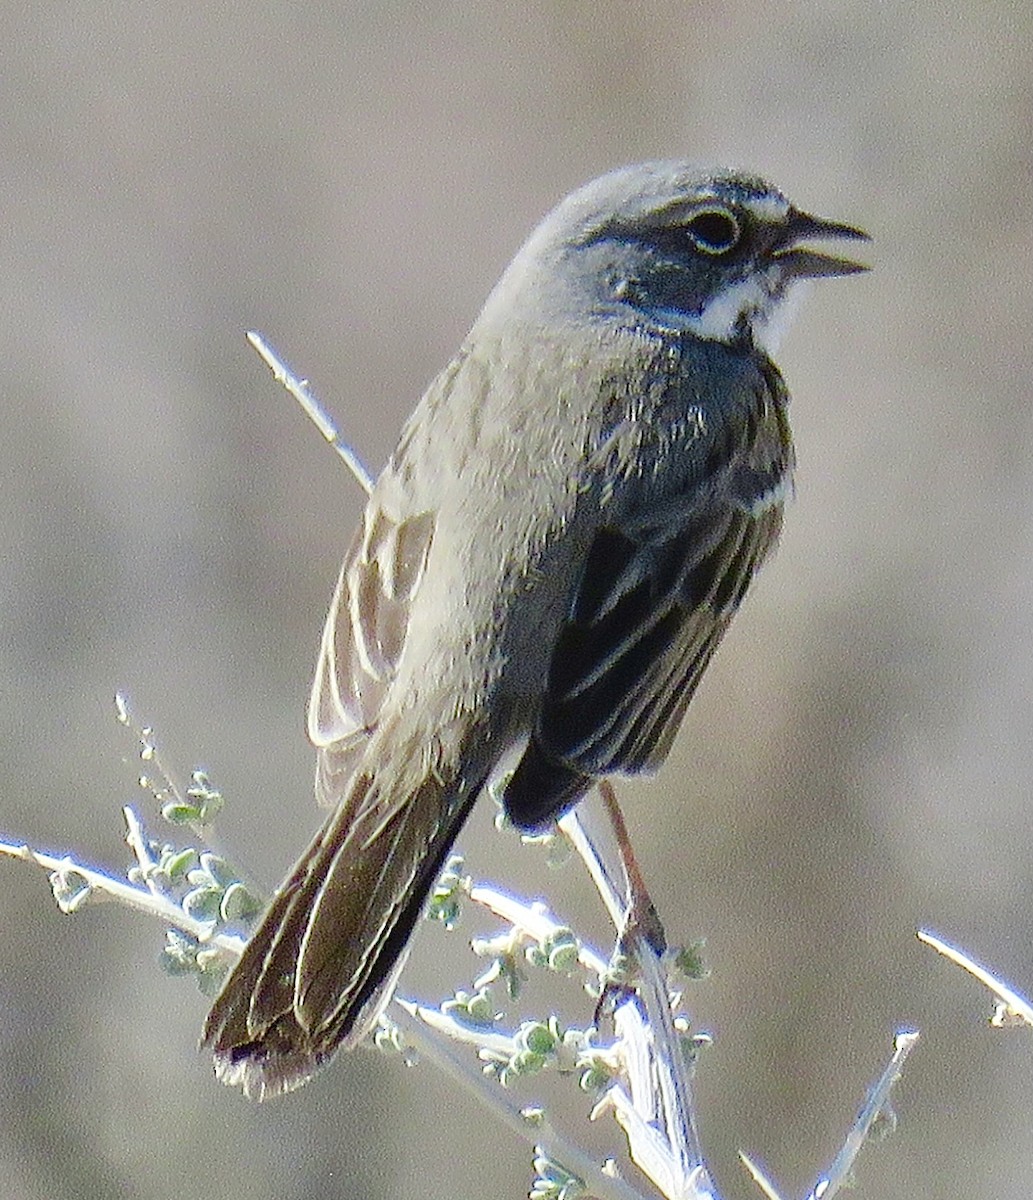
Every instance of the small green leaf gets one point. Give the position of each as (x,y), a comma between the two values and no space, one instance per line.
(71,890)
(537,1038)
(692,1044)
(218,869)
(689,961)
(238,904)
(210,978)
(179,955)
(474,1008)
(448,893)
(177,813)
(527,1063)
(553,1181)
(203,903)
(595,1078)
(561,951)
(206,796)
(506,965)
(175,863)
(390,1039)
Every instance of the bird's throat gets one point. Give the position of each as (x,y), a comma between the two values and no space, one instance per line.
(758,308)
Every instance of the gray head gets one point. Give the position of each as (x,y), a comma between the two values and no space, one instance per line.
(672,245)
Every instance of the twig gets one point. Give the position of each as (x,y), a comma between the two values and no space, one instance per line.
(644,1113)
(535,920)
(137,842)
(317,414)
(657,1115)
(575,826)
(768,1189)
(96,885)
(1011,1009)
(876,1108)
(419,1026)
(165,787)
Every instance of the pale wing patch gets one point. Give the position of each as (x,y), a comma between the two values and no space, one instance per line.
(363,639)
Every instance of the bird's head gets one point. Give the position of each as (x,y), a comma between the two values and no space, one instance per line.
(673,246)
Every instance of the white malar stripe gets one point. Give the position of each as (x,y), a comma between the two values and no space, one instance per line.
(719,318)
(768,306)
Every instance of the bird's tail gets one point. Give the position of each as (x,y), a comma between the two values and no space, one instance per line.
(318,971)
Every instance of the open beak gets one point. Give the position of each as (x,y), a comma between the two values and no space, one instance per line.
(798,262)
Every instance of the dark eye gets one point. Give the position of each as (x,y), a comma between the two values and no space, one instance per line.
(713,230)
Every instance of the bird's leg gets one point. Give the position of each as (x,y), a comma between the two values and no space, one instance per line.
(641,921)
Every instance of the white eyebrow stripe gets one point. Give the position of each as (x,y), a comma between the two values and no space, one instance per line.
(767,208)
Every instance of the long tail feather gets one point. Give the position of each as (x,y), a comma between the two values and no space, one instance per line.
(318,971)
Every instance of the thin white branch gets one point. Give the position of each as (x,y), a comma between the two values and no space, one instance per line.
(317,414)
(432,1043)
(492,1042)
(669,1067)
(875,1107)
(759,1178)
(586,841)
(644,1112)
(100,886)
(1011,1009)
(165,787)
(136,840)
(534,920)
(657,1116)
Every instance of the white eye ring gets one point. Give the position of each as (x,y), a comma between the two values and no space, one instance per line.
(713,230)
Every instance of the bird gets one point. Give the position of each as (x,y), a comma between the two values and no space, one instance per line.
(543,570)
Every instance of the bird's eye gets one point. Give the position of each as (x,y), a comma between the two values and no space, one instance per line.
(713,230)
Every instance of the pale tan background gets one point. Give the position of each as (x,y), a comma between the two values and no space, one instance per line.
(351,178)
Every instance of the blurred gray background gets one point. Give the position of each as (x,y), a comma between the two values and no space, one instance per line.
(351,178)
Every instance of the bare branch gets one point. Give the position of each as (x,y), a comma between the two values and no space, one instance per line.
(317,414)
(75,884)
(1011,1009)
(875,1111)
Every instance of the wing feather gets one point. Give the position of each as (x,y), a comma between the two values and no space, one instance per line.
(363,640)
(656,594)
